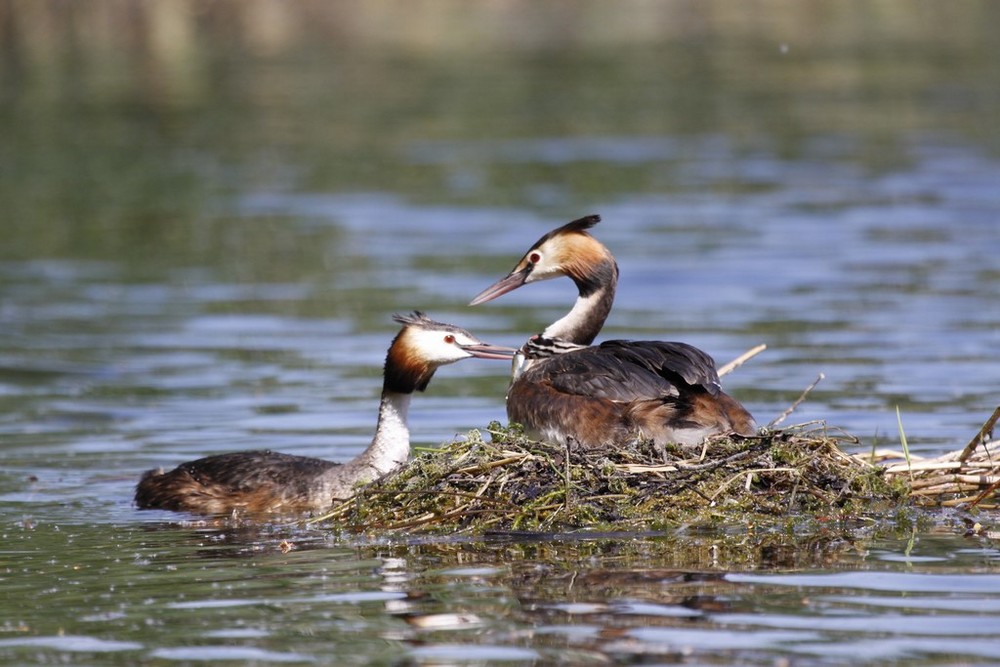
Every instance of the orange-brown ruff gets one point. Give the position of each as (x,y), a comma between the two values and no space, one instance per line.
(598,396)
(265,481)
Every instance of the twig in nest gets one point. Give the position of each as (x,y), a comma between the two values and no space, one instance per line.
(791,408)
(985,433)
(639,469)
(749,475)
(986,492)
(880,455)
(517,457)
(725,369)
(714,463)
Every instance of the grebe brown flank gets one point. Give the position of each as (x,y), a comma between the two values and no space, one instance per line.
(565,390)
(264,481)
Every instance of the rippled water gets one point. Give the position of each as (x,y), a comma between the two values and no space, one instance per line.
(184,593)
(191,269)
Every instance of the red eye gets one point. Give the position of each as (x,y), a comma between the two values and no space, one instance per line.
(534,258)
(449,339)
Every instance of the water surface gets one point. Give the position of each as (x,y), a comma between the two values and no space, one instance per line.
(207,230)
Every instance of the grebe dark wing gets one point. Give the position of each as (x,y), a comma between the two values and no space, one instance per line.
(257,480)
(241,470)
(628,371)
(670,360)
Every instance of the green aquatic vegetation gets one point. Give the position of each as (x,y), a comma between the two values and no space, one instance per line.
(903,443)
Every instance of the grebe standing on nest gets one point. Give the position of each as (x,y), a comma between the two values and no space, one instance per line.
(264,481)
(565,390)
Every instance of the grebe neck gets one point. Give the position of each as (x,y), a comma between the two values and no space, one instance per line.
(390,448)
(584,320)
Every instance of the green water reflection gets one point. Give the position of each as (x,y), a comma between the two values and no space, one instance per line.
(130,125)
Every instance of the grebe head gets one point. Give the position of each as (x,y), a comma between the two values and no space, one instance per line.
(566,251)
(423,345)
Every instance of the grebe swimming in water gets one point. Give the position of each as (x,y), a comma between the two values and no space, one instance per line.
(264,481)
(566,390)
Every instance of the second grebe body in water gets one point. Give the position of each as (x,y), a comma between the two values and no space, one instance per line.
(264,481)
(565,390)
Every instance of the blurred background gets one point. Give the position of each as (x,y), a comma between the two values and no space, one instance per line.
(210,210)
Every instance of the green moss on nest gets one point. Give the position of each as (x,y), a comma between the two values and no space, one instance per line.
(508,482)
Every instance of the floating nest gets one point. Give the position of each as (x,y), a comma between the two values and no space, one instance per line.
(501,481)
(506,482)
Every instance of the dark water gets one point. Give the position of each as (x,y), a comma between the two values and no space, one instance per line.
(209,214)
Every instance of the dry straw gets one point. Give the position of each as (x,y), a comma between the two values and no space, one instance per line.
(969,477)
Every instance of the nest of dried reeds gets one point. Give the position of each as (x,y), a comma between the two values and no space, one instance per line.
(507,482)
(966,478)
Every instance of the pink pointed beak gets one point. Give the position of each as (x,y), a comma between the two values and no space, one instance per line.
(488,351)
(511,282)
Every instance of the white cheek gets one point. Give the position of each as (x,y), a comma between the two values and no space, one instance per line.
(541,274)
(434,349)
(429,343)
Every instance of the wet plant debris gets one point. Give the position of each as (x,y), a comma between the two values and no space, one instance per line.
(499,480)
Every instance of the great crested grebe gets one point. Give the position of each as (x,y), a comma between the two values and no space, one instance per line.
(564,390)
(264,481)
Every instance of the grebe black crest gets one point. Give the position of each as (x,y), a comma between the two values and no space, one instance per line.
(566,390)
(265,481)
